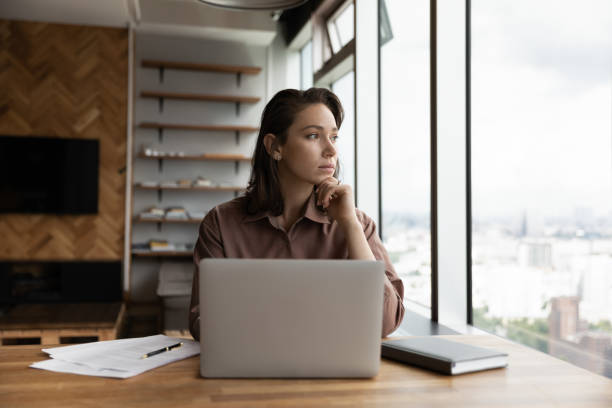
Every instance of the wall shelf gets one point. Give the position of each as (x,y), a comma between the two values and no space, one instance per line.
(162,253)
(154,125)
(206,156)
(199,97)
(215,128)
(167,221)
(236,158)
(161,189)
(190,188)
(191,66)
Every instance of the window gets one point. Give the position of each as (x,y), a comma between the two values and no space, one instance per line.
(340,27)
(405,143)
(333,36)
(306,66)
(542,176)
(344,88)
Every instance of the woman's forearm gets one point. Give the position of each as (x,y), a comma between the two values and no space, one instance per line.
(358,247)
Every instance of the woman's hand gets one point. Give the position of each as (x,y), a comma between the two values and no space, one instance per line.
(337,199)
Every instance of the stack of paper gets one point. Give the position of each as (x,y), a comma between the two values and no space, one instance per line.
(117,358)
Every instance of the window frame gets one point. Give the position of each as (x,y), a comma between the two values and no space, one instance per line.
(331,65)
(450,164)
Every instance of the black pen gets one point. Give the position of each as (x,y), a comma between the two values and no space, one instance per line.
(161,350)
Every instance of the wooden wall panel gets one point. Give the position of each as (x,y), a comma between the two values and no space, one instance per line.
(67,81)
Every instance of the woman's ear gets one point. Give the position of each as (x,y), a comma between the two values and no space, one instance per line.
(271,144)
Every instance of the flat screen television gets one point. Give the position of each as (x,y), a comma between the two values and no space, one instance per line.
(44,175)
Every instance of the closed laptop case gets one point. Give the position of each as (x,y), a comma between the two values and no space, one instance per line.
(444,356)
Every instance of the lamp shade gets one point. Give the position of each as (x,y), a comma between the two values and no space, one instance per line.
(255,4)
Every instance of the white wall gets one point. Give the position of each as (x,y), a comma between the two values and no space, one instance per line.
(284,66)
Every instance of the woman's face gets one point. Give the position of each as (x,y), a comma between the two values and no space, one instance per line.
(309,154)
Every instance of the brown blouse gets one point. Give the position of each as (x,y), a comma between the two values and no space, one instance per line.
(228,231)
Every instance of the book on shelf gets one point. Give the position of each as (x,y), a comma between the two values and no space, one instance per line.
(176,213)
(152,213)
(160,245)
(441,355)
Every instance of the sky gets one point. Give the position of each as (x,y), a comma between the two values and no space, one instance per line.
(541,107)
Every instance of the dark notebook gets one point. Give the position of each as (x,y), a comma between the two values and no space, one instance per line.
(442,355)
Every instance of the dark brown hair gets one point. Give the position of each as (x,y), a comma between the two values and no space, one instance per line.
(263,192)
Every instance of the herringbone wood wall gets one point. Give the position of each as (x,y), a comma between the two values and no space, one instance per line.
(67,81)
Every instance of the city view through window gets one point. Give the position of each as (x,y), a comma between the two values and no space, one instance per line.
(542,176)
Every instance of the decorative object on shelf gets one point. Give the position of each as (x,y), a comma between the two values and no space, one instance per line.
(202,182)
(155,154)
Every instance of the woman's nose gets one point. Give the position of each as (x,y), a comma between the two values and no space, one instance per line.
(329,149)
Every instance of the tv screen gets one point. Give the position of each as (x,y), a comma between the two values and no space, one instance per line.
(48,175)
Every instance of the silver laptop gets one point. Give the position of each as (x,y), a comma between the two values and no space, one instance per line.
(280,318)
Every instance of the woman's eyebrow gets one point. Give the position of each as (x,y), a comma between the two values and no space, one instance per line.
(334,129)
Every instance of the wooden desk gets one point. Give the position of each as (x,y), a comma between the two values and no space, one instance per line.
(532,379)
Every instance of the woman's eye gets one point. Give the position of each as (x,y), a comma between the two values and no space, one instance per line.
(312,136)
(334,138)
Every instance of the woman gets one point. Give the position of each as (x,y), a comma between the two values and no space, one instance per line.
(294,206)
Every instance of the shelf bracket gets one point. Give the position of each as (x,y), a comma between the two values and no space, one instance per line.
(161,104)
(160,135)
(237,166)
(161,74)
(159,196)
(237,137)
(238,78)
(237,108)
(159,226)
(160,165)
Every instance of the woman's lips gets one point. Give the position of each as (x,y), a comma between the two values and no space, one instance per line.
(328,168)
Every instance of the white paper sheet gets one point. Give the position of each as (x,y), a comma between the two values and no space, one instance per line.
(60,366)
(117,358)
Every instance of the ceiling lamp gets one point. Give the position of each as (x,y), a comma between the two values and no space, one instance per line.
(255,4)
